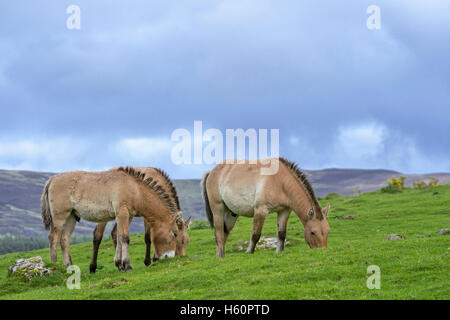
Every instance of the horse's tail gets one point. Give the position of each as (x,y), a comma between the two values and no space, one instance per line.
(45,207)
(209,213)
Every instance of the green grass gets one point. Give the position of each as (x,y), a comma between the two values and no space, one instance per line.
(417,267)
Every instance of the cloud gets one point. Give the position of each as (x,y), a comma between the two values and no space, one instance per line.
(142,150)
(43,155)
(374,145)
(143,69)
(360,143)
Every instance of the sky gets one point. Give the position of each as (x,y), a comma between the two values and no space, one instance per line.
(114,91)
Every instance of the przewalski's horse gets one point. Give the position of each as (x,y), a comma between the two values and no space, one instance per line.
(105,196)
(164,181)
(239,189)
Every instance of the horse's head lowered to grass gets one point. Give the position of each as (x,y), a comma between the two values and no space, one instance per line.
(168,239)
(182,236)
(317,228)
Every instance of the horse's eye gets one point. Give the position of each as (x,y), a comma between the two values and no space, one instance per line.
(174,234)
(313,233)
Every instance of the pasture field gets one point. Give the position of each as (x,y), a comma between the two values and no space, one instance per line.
(417,267)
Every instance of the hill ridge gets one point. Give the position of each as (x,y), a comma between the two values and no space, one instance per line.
(20,192)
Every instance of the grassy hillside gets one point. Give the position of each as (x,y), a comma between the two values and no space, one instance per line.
(20,193)
(417,267)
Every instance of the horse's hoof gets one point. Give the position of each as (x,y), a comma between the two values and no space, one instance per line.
(127,268)
(92,268)
(147,262)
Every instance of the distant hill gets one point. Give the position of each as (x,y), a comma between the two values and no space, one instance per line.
(20,193)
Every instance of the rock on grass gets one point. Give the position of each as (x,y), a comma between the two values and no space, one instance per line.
(29,268)
(395,237)
(263,243)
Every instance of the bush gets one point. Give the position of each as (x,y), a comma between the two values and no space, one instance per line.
(432,182)
(332,195)
(394,185)
(199,225)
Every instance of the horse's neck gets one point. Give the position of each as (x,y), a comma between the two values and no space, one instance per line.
(153,208)
(299,202)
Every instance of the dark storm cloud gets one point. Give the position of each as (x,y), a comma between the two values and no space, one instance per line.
(341,95)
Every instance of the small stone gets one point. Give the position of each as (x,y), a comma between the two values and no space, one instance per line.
(395,237)
(444,231)
(344,217)
(435,193)
(263,243)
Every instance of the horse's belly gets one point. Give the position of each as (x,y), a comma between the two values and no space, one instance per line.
(94,212)
(239,201)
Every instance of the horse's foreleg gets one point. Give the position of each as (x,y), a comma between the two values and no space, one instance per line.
(123,219)
(65,239)
(118,255)
(258,222)
(282,220)
(148,243)
(96,240)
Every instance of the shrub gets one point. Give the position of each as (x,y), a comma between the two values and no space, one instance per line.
(332,195)
(394,185)
(432,182)
(199,225)
(420,184)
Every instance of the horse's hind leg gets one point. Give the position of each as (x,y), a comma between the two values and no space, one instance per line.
(228,223)
(282,220)
(219,211)
(148,243)
(65,239)
(58,221)
(96,240)
(258,221)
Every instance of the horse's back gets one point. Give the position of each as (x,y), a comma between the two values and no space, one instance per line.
(93,196)
(240,186)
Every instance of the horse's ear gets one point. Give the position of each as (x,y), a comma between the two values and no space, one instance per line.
(325,210)
(310,214)
(187,222)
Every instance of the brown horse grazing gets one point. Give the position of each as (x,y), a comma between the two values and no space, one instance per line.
(239,189)
(104,196)
(164,181)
